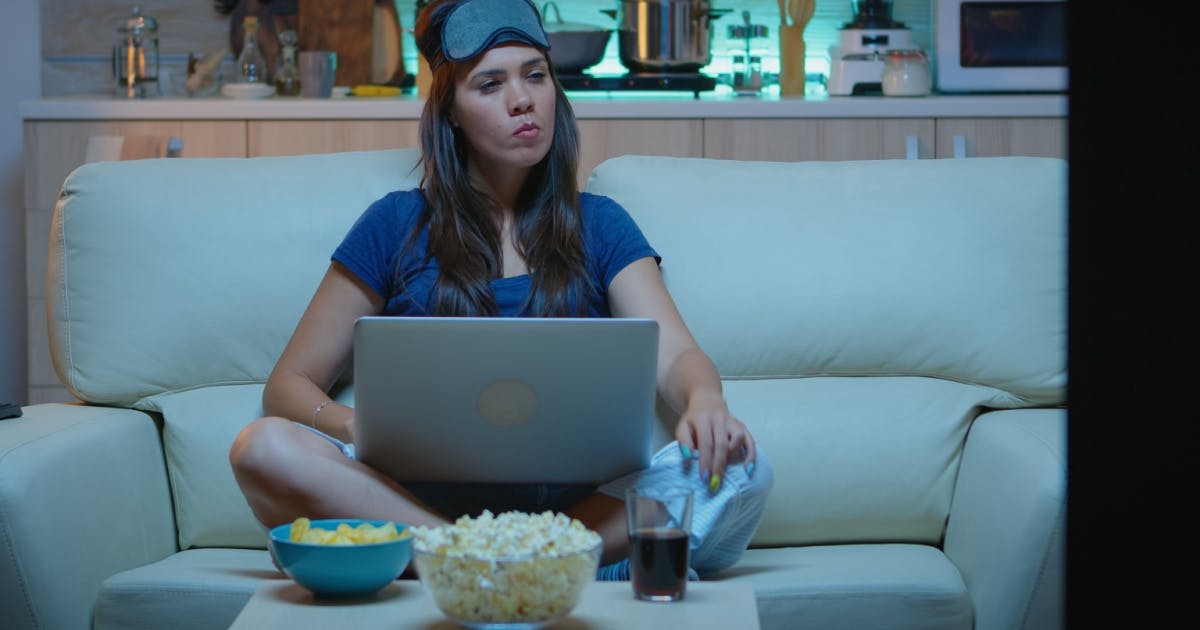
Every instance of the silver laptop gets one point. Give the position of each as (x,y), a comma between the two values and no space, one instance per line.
(504,400)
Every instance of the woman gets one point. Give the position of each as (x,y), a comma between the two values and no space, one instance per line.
(497,228)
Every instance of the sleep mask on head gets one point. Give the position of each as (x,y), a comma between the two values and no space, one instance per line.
(477,25)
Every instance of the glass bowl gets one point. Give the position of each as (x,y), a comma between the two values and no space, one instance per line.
(514,592)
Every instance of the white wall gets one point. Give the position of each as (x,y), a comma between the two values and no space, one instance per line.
(20,76)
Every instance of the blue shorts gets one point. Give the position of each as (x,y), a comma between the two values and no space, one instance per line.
(453,500)
(723,522)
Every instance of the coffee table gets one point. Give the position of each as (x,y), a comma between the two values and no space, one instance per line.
(405,604)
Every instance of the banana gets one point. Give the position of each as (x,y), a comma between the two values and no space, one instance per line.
(367,89)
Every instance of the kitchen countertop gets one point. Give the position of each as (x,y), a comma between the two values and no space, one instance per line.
(588,105)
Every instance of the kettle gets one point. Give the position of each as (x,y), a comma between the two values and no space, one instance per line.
(135,56)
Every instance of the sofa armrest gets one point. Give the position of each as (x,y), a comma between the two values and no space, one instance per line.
(83,495)
(1007,521)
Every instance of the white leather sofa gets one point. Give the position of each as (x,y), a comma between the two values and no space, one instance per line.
(894,332)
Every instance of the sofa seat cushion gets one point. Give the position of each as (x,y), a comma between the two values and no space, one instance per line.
(190,590)
(883,587)
(199,426)
(858,459)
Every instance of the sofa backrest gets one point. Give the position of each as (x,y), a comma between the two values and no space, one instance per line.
(952,269)
(174,274)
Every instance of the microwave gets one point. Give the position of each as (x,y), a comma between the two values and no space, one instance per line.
(1010,46)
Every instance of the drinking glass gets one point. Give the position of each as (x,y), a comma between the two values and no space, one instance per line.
(660,523)
(317,71)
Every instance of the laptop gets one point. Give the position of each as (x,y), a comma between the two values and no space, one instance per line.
(504,400)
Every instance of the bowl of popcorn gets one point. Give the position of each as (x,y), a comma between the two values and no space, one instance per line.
(342,557)
(513,570)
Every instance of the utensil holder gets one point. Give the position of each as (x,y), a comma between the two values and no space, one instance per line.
(791,60)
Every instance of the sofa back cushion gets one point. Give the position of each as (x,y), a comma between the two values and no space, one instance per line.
(951,269)
(861,315)
(173,274)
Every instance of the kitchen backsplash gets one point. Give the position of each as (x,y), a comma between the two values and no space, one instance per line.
(77,36)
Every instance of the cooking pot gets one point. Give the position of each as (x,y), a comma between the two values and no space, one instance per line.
(574,46)
(666,35)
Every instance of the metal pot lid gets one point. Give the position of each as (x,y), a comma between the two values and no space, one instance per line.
(557,25)
(137,23)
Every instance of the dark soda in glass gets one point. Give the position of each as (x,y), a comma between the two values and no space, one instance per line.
(658,561)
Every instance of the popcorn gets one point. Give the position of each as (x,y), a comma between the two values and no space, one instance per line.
(514,567)
(511,534)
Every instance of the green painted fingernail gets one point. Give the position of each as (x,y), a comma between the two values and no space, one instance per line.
(714,483)
(685,451)
(750,469)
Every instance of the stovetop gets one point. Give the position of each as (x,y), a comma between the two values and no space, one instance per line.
(681,82)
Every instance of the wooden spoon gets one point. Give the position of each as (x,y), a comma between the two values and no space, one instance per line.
(804,12)
(783,12)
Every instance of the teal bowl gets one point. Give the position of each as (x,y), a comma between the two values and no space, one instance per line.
(341,570)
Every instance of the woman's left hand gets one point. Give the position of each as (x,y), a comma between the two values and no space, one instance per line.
(709,433)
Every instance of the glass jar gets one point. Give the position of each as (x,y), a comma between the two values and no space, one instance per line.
(906,73)
(135,56)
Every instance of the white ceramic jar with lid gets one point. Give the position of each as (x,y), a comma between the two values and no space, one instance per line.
(906,73)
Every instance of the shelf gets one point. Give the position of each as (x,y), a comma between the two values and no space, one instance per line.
(598,105)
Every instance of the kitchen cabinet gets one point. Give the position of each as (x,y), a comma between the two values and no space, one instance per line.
(800,139)
(52,149)
(793,140)
(995,137)
(600,140)
(296,137)
(55,148)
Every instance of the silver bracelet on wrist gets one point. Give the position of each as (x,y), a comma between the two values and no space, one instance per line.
(318,411)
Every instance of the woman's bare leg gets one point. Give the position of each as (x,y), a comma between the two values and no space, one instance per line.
(286,471)
(604,515)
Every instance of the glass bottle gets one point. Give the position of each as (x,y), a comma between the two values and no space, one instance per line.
(251,62)
(287,78)
(755,73)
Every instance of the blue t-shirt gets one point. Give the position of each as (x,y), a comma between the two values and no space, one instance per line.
(611,240)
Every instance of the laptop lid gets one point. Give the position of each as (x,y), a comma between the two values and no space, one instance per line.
(504,400)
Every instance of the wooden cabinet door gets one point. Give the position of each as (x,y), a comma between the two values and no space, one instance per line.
(54,149)
(296,137)
(996,137)
(803,139)
(603,139)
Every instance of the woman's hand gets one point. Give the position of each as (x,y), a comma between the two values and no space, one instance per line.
(687,378)
(709,433)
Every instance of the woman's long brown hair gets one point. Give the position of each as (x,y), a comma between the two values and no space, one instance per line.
(464,236)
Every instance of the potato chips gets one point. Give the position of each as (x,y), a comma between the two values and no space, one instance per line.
(365,533)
